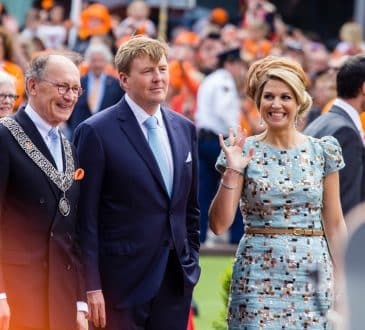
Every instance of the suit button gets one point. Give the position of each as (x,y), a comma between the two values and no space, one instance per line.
(68,267)
(42,201)
(51,234)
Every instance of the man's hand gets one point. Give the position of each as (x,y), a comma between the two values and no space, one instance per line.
(95,300)
(4,314)
(81,321)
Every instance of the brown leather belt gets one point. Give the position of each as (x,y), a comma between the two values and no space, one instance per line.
(287,231)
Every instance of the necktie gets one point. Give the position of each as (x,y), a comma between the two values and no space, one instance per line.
(55,147)
(93,95)
(155,143)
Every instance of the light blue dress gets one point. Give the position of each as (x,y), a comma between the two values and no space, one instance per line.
(283,281)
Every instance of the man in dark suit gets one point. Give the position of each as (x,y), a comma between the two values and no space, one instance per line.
(343,122)
(139,208)
(41,283)
(101,90)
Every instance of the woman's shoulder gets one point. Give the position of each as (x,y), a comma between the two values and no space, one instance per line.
(325,142)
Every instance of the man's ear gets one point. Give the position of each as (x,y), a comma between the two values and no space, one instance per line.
(363,88)
(123,78)
(31,85)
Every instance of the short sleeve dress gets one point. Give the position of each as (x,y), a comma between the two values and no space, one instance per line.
(283,281)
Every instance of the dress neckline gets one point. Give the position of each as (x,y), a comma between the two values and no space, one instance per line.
(298,147)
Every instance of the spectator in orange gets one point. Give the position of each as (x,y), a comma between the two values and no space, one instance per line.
(95,20)
(7,65)
(184,85)
(216,20)
(137,21)
(250,118)
(184,77)
(8,94)
(351,43)
(256,45)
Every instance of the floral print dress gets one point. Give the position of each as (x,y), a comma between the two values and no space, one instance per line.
(283,281)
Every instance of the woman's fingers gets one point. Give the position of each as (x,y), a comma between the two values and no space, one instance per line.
(231,137)
(221,143)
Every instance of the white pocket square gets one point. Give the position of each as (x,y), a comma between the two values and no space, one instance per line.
(188,159)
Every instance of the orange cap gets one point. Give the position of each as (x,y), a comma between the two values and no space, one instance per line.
(219,16)
(47,4)
(187,38)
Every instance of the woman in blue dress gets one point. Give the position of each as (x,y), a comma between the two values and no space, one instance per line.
(288,269)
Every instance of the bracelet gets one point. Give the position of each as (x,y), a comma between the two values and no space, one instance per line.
(234,170)
(224,185)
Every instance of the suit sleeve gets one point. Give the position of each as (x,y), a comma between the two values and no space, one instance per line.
(4,173)
(80,267)
(351,174)
(91,158)
(193,212)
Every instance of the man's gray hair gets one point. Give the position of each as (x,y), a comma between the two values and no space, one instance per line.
(99,48)
(6,78)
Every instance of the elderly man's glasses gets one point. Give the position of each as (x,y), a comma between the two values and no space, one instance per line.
(12,97)
(63,88)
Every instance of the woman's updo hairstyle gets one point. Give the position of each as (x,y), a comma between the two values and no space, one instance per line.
(281,68)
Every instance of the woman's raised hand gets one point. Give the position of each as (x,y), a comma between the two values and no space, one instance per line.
(233,152)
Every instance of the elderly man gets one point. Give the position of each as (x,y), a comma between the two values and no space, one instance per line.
(8,94)
(101,90)
(41,283)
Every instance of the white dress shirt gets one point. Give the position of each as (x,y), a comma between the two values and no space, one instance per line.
(42,126)
(218,103)
(141,116)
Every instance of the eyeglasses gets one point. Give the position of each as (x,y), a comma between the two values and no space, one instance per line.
(63,88)
(12,97)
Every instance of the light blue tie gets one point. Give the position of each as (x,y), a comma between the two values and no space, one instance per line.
(155,143)
(55,147)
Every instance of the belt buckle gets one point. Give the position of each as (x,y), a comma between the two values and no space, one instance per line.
(296,232)
(308,232)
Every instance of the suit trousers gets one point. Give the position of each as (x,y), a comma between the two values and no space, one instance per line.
(168,310)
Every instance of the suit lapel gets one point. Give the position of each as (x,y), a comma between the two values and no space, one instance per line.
(178,161)
(32,132)
(131,128)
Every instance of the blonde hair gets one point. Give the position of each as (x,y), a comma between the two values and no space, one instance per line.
(351,32)
(285,69)
(139,46)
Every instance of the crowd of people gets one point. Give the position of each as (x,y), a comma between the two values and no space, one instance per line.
(249,133)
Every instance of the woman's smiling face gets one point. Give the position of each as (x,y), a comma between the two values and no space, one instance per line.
(278,106)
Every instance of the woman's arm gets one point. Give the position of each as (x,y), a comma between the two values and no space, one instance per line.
(224,205)
(334,225)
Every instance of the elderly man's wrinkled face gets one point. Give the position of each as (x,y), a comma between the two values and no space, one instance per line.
(7,98)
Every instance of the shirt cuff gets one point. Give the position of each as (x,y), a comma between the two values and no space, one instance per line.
(92,291)
(82,307)
(3,295)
